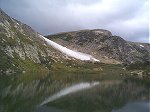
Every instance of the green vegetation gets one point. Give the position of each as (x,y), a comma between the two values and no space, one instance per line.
(14,64)
(4,40)
(24,39)
(92,71)
(140,66)
(6,62)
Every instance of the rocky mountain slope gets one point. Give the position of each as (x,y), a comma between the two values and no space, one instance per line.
(104,46)
(23,49)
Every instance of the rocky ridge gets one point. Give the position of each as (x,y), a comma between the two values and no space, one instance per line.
(104,46)
(23,49)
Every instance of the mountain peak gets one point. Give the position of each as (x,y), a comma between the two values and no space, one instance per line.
(102,31)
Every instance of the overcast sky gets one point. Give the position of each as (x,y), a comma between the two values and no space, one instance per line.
(126,18)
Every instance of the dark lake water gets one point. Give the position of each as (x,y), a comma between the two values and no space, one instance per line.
(135,107)
(129,107)
(72,93)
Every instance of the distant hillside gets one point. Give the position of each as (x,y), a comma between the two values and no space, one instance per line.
(104,46)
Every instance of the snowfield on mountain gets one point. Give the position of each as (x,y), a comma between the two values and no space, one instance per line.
(68,52)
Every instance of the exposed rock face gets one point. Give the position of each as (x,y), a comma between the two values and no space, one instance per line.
(104,46)
(19,42)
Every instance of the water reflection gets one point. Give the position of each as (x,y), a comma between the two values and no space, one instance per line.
(74,93)
(135,107)
(68,90)
(105,97)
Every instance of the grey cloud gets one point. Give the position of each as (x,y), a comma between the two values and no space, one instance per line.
(127,18)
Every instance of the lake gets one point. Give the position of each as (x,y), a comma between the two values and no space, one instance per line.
(72,93)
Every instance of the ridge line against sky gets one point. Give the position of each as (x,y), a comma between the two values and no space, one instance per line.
(126,18)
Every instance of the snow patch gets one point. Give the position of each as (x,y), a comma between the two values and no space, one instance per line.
(68,90)
(17,23)
(141,45)
(68,52)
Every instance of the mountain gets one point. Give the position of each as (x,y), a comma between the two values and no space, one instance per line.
(21,47)
(38,74)
(104,46)
(24,50)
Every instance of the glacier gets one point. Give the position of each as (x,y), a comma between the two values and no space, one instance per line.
(69,52)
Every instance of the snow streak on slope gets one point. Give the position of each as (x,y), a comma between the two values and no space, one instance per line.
(68,52)
(68,90)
